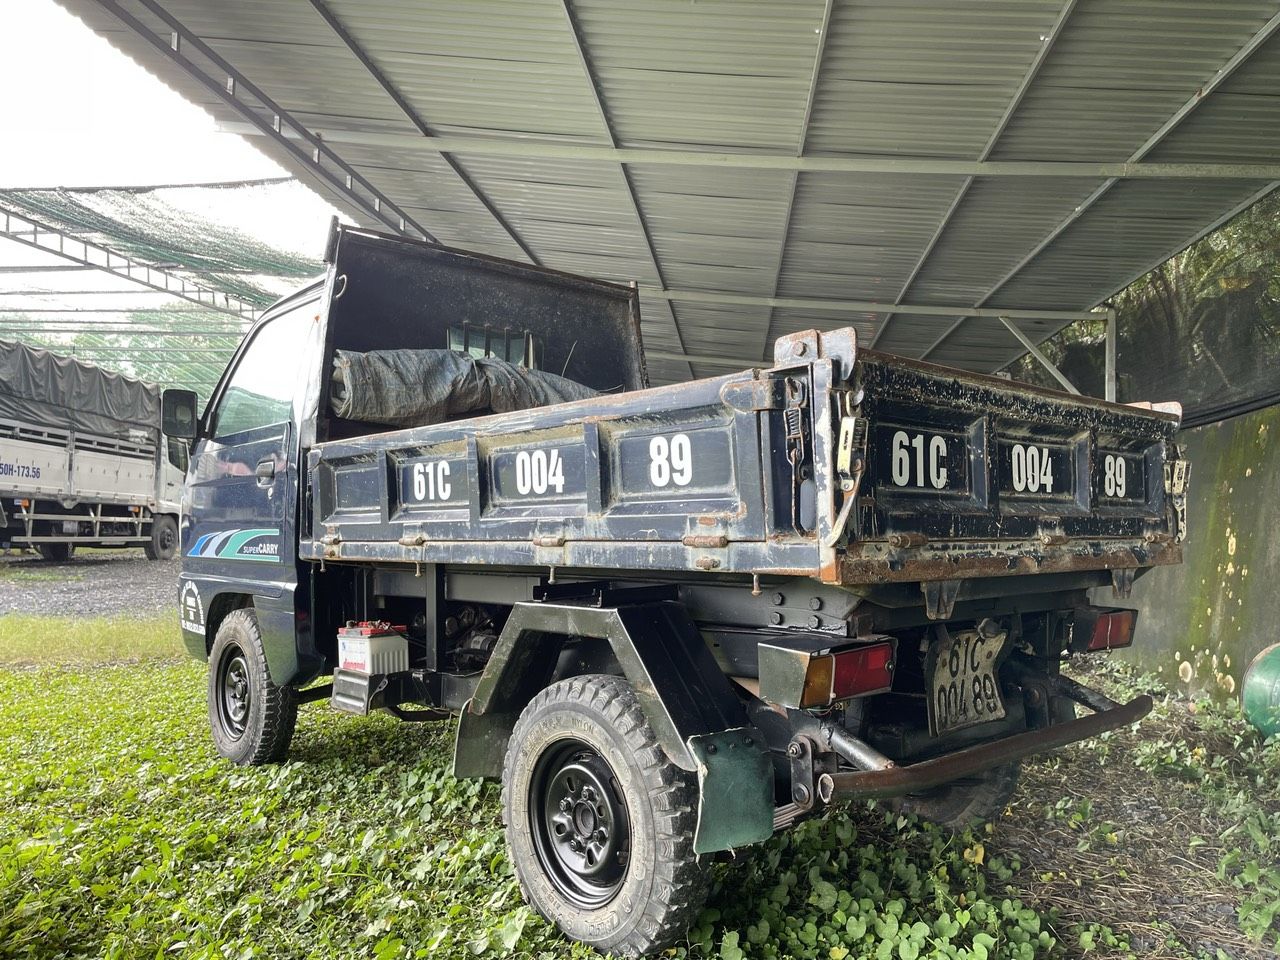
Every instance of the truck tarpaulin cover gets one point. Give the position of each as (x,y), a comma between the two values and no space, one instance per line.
(408,388)
(41,387)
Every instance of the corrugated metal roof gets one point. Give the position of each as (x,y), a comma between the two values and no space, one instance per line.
(1007,80)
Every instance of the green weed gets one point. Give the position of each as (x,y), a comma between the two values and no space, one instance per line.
(126,836)
(1236,772)
(25,573)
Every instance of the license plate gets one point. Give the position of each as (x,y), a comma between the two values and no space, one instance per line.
(963,687)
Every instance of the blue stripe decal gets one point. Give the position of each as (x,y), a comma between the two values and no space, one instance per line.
(239,543)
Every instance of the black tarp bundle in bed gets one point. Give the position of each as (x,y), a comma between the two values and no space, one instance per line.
(43,388)
(408,388)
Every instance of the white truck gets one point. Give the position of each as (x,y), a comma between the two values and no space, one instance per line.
(83,461)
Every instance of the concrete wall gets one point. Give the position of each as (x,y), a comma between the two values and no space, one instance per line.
(1204,621)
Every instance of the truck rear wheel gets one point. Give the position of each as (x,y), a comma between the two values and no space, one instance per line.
(164,538)
(599,822)
(252,718)
(961,803)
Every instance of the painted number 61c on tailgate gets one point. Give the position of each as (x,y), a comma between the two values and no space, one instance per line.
(918,459)
(431,481)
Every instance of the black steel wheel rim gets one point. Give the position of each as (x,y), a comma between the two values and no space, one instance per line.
(233,691)
(581,829)
(168,537)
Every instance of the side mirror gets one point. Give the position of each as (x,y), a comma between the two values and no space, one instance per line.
(178,414)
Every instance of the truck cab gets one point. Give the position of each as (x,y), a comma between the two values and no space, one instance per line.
(671,620)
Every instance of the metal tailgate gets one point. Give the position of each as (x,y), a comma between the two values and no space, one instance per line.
(1005,477)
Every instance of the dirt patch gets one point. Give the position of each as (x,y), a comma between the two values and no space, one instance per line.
(93,583)
(1101,839)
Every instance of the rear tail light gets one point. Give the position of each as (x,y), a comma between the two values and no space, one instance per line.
(862,670)
(818,679)
(798,679)
(1100,628)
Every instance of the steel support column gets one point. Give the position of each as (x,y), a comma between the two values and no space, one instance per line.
(1109,377)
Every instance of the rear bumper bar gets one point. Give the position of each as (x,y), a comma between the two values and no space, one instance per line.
(895,781)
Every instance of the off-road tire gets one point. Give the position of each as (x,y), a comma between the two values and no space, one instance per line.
(1062,710)
(958,805)
(56,552)
(163,544)
(270,712)
(663,887)
(962,803)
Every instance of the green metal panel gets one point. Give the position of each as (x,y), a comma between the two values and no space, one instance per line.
(1203,621)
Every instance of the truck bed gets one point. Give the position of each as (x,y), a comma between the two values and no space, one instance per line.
(963,475)
(37,461)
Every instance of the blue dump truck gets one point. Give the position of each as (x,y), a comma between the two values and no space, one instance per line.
(673,620)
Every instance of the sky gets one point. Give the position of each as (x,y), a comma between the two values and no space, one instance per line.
(93,117)
(76,112)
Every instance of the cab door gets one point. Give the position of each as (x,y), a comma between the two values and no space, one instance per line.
(240,517)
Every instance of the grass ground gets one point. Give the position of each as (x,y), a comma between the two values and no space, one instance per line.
(123,835)
(31,640)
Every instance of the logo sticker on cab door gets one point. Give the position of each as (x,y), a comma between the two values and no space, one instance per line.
(191,608)
(257,543)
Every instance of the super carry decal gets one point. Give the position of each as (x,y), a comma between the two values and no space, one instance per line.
(257,543)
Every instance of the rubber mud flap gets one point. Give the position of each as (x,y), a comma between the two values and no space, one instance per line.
(735,790)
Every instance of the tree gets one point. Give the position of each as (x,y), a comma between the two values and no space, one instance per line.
(1203,327)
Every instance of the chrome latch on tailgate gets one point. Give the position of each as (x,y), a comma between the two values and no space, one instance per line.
(851,459)
(796,423)
(1177,474)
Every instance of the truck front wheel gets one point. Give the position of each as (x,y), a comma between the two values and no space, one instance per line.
(56,552)
(164,538)
(599,822)
(251,717)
